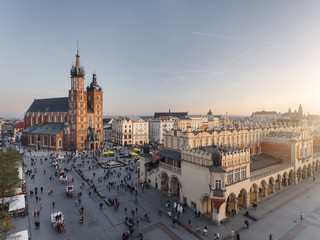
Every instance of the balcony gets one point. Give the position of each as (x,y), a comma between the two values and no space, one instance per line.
(170,167)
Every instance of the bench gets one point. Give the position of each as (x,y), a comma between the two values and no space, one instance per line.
(100,194)
(248,215)
(106,200)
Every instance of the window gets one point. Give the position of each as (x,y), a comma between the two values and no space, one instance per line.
(218,184)
(39,138)
(60,143)
(98,98)
(32,139)
(230,176)
(45,141)
(52,142)
(244,172)
(237,174)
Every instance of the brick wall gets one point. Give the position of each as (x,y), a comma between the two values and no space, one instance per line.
(282,151)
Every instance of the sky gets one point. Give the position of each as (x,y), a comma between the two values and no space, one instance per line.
(150,56)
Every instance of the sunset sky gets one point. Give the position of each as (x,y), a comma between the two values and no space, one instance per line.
(234,56)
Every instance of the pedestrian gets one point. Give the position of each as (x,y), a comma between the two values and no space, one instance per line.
(232,234)
(173,223)
(301,216)
(314,178)
(125,211)
(236,236)
(198,229)
(189,223)
(41,189)
(79,201)
(159,212)
(81,210)
(53,204)
(270,237)
(246,222)
(41,206)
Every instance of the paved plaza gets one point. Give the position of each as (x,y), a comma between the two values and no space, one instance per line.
(278,215)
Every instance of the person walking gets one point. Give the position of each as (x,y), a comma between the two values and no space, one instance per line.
(173,223)
(301,216)
(53,204)
(81,209)
(246,223)
(189,223)
(270,237)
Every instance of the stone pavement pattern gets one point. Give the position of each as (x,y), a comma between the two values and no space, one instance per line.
(278,215)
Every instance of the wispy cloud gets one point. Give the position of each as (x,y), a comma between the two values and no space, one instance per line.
(226,37)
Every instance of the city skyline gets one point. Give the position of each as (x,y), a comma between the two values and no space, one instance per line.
(150,57)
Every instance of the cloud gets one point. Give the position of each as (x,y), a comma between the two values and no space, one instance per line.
(227,37)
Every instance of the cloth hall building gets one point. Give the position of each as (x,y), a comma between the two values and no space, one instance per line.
(220,171)
(73,122)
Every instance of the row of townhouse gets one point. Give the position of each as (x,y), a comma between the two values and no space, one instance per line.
(131,131)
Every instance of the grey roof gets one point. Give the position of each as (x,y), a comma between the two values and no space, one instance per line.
(47,128)
(214,168)
(49,105)
(146,155)
(170,114)
(170,154)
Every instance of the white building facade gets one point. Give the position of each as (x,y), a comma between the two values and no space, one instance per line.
(158,127)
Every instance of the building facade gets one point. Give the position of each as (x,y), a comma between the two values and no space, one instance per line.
(157,127)
(80,114)
(221,171)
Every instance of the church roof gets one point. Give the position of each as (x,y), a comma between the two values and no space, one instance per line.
(49,105)
(47,128)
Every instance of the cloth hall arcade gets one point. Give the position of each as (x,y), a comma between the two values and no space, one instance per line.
(223,171)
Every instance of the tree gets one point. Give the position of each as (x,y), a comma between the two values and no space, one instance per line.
(9,174)
(9,181)
(5,226)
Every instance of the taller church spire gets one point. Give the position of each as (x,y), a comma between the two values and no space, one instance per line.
(77,70)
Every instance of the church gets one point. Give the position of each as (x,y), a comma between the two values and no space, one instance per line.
(74,122)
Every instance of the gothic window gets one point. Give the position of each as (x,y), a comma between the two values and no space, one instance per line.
(32,139)
(52,142)
(98,98)
(39,138)
(60,143)
(81,98)
(45,141)
(98,106)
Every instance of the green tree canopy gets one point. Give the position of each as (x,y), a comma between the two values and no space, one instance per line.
(10,160)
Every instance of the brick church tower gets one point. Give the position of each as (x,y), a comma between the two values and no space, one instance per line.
(77,106)
(95,115)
